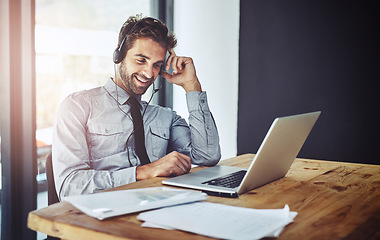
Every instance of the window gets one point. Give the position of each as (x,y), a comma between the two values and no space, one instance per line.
(74,43)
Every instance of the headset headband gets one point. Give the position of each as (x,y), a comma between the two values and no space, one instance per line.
(119,54)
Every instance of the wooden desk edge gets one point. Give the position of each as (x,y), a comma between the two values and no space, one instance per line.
(35,221)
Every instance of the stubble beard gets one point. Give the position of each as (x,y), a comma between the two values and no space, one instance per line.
(128,82)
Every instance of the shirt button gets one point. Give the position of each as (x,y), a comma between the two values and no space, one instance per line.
(202,101)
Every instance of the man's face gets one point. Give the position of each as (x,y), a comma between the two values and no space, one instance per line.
(141,66)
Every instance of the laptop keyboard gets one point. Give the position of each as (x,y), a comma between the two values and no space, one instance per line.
(232,180)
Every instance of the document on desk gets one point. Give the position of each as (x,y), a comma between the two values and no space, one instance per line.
(220,221)
(114,203)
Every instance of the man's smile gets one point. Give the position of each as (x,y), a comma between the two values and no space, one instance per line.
(143,79)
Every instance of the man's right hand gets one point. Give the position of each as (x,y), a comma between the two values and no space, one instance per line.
(173,164)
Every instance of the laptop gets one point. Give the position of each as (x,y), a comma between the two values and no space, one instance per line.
(272,161)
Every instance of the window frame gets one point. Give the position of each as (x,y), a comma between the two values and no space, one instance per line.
(18,121)
(163,10)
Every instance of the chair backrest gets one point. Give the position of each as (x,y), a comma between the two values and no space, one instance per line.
(52,194)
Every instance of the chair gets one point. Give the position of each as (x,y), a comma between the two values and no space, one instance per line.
(52,194)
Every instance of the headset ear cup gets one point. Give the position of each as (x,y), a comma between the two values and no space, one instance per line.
(116,56)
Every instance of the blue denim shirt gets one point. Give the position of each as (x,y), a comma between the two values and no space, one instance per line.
(91,130)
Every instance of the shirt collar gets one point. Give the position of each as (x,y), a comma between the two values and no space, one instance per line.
(119,94)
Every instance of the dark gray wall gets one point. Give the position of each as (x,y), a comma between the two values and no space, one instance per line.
(302,56)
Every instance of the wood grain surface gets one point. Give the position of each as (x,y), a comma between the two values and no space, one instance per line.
(334,200)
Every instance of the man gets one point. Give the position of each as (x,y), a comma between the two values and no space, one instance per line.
(98,143)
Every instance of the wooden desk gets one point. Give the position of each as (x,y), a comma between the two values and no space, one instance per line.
(334,200)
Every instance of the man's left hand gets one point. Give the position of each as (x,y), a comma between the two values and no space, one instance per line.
(184,73)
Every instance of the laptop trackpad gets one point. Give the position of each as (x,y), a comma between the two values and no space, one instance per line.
(214,172)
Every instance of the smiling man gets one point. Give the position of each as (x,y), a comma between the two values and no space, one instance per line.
(107,136)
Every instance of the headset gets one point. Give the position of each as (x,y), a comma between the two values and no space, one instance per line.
(119,53)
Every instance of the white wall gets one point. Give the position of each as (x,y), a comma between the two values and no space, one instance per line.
(208,31)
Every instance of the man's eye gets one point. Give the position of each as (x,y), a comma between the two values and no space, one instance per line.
(141,60)
(157,65)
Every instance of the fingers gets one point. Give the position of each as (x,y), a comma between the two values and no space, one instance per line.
(183,163)
(177,63)
(170,59)
(173,164)
(178,164)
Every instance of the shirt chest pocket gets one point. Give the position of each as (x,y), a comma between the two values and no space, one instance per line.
(105,139)
(159,140)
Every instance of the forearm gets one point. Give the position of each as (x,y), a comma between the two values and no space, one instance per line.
(76,174)
(205,149)
(192,86)
(91,181)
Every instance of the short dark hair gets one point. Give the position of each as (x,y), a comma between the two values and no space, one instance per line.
(145,27)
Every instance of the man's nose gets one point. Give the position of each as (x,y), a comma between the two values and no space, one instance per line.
(148,72)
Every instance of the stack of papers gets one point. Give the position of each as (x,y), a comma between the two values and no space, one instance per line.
(108,204)
(220,221)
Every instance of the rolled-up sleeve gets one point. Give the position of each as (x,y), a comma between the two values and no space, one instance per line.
(203,146)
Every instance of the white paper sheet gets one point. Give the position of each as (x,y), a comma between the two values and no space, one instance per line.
(108,204)
(221,221)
